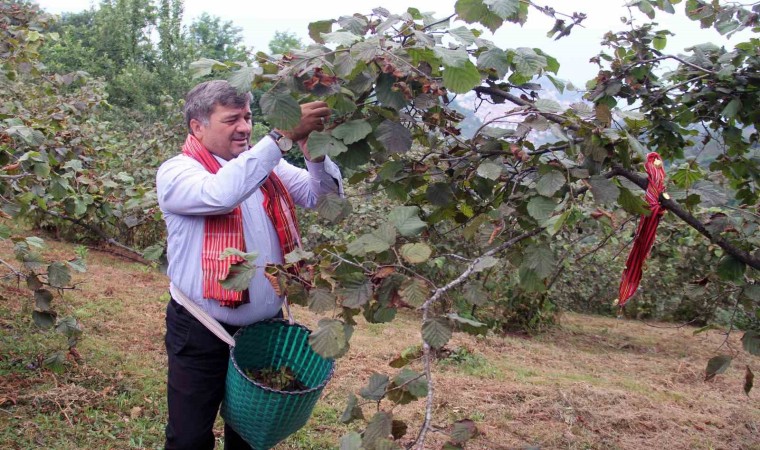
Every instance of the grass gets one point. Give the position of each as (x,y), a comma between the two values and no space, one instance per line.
(591,383)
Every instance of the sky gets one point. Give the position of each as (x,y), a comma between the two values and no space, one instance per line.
(260,22)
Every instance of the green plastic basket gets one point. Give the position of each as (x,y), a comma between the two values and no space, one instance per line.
(263,416)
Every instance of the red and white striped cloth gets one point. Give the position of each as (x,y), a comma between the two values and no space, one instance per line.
(646,231)
(226,230)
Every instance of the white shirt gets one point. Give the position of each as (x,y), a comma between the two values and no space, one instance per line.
(187,193)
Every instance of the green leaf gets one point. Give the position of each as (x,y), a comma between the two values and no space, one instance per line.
(436,332)
(503,8)
(407,221)
(352,412)
(387,95)
(69,327)
(333,207)
(732,108)
(44,319)
(686,176)
(352,131)
(550,183)
(356,292)
(474,294)
(377,241)
(635,145)
(463,431)
(461,80)
(414,291)
(343,67)
(472,11)
(541,208)
(659,42)
(378,429)
(321,301)
(527,62)
(467,325)
(345,38)
(239,278)
(530,280)
(604,190)
(298,255)
(416,253)
(414,383)
(58,274)
(33,281)
(351,441)
(496,59)
(440,194)
(232,251)
(451,57)
(356,23)
(375,390)
(558,84)
(394,137)
(331,338)
(42,299)
(204,66)
(367,50)
(751,342)
(490,170)
(633,203)
(646,8)
(540,258)
(55,361)
(406,356)
(154,252)
(281,110)
(485,262)
(730,268)
(243,78)
(5,231)
(548,106)
(316,29)
(321,144)
(717,365)
(463,35)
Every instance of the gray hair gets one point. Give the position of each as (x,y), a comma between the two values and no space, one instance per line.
(201,100)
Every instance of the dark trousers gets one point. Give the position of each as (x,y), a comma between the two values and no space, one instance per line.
(195,389)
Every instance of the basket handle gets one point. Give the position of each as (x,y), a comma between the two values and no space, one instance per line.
(291,320)
(209,322)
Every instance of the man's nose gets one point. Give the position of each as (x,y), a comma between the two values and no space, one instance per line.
(243,126)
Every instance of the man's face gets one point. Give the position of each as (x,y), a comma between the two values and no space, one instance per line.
(227,133)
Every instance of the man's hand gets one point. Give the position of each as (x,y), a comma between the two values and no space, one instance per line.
(314,115)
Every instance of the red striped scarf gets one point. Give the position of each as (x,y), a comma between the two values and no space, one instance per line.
(226,230)
(645,233)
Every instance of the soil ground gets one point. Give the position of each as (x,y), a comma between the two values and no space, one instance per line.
(590,383)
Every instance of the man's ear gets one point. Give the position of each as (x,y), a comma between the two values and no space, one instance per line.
(197,128)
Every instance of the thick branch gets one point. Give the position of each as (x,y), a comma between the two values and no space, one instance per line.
(13,269)
(556,118)
(102,234)
(426,356)
(684,215)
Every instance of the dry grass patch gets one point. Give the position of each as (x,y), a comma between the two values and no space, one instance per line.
(591,383)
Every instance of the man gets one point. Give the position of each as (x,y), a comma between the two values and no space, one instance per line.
(221,193)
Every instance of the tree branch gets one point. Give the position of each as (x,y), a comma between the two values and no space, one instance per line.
(426,357)
(556,118)
(684,215)
(13,269)
(102,234)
